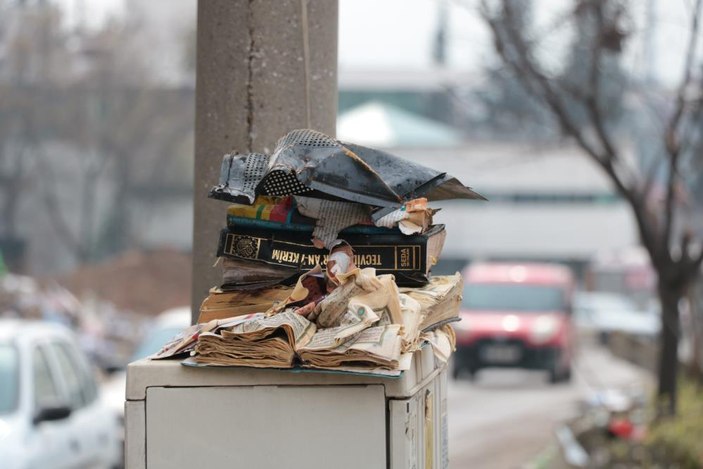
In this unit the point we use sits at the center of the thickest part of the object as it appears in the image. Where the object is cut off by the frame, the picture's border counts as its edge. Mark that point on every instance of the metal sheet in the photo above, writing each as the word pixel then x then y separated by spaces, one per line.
pixel 311 163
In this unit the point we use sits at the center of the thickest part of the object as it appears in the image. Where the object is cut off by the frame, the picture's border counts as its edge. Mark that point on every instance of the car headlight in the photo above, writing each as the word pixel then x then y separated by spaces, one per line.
pixel 510 323
pixel 543 329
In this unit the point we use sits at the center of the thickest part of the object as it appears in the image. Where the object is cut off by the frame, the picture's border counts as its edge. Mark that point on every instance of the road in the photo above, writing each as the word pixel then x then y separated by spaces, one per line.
pixel 506 418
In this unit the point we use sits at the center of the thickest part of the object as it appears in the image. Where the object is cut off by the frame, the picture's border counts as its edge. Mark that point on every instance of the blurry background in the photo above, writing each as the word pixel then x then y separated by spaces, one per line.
pixel 97 131
pixel 96 166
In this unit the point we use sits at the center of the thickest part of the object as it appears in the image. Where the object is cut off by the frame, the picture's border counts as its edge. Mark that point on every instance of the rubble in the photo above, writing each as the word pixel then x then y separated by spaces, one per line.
pixel 319 238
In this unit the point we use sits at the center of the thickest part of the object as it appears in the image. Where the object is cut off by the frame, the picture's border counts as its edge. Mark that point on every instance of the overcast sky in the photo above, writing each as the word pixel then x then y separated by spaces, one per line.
pixel 375 34
pixel 397 34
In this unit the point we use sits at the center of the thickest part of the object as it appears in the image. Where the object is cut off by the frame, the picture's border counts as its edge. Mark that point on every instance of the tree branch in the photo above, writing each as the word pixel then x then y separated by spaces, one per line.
pixel 649 178
pixel 540 86
pixel 691 132
pixel 671 138
pixel 593 97
pixel 696 263
pixel 537 83
pixel 59 223
pixel 508 39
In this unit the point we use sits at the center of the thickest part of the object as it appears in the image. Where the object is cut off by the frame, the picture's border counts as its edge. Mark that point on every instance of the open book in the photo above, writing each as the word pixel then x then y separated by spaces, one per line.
pixel 277 341
pixel 374 347
pixel 258 341
pixel 221 304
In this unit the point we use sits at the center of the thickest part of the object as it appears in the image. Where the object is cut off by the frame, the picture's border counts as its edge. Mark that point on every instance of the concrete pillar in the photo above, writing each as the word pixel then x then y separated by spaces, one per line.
pixel 264 67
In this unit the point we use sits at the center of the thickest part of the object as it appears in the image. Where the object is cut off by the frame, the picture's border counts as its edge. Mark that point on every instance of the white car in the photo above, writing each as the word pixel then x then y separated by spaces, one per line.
pixel 51 415
pixel 165 327
pixel 604 313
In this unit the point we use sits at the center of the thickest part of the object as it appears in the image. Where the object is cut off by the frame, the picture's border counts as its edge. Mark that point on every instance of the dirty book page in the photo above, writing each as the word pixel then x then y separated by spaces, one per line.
pixel 260 341
pixel 374 347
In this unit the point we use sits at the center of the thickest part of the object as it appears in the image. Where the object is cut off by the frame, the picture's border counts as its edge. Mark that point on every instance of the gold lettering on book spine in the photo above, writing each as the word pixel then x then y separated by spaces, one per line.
pixel 405 262
pixel 368 260
pixel 408 257
pixel 285 257
pixel 310 260
pixel 382 257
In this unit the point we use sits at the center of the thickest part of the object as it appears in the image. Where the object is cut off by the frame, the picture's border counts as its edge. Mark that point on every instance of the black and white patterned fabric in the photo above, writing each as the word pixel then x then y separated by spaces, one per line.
pixel 279 183
pixel 308 138
pixel 254 170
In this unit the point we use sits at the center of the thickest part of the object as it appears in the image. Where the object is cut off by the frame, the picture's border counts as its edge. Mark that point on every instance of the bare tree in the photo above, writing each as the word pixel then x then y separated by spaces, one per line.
pixel 30 51
pixel 581 109
pixel 84 130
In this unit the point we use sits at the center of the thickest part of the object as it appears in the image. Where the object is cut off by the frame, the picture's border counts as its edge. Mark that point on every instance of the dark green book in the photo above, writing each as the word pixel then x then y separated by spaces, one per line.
pixel 409 258
pixel 234 222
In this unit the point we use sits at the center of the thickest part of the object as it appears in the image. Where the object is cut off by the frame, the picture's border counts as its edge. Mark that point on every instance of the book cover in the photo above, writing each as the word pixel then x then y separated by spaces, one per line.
pixel 409 258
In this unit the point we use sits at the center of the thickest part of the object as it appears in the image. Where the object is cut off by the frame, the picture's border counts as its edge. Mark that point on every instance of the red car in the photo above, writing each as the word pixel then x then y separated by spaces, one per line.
pixel 516 315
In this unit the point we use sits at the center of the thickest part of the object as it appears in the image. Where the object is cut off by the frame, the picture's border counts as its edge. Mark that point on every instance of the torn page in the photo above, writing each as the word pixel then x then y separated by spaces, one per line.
pixel 442 340
pixel 331 217
pixel 412 218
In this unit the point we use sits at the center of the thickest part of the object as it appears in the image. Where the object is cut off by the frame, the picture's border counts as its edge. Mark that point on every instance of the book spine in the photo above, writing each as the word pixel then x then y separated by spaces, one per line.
pixel 393 253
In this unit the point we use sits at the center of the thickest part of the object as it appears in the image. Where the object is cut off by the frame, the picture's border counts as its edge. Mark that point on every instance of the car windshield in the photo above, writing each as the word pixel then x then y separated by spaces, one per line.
pixel 9 378
pixel 155 339
pixel 513 297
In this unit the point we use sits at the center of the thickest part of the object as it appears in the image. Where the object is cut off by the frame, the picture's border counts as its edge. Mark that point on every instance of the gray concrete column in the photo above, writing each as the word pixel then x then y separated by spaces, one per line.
pixel 264 67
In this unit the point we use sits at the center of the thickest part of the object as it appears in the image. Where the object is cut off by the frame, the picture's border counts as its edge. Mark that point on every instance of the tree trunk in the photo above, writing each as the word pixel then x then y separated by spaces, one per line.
pixel 9 210
pixel 85 254
pixel 12 190
pixel 695 366
pixel 669 341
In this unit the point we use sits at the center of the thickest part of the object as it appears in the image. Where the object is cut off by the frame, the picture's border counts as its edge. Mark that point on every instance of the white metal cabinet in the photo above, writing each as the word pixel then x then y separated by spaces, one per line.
pixel 186 417
pixel 418 428
pixel 261 426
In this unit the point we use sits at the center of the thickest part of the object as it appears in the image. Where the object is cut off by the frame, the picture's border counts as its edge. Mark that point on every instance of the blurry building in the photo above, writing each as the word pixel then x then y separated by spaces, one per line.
pixel 546 201
pixel 437 94
pixel 385 125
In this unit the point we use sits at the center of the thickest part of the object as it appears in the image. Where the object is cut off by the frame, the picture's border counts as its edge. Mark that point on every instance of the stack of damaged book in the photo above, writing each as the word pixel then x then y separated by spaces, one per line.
pixel 326 259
